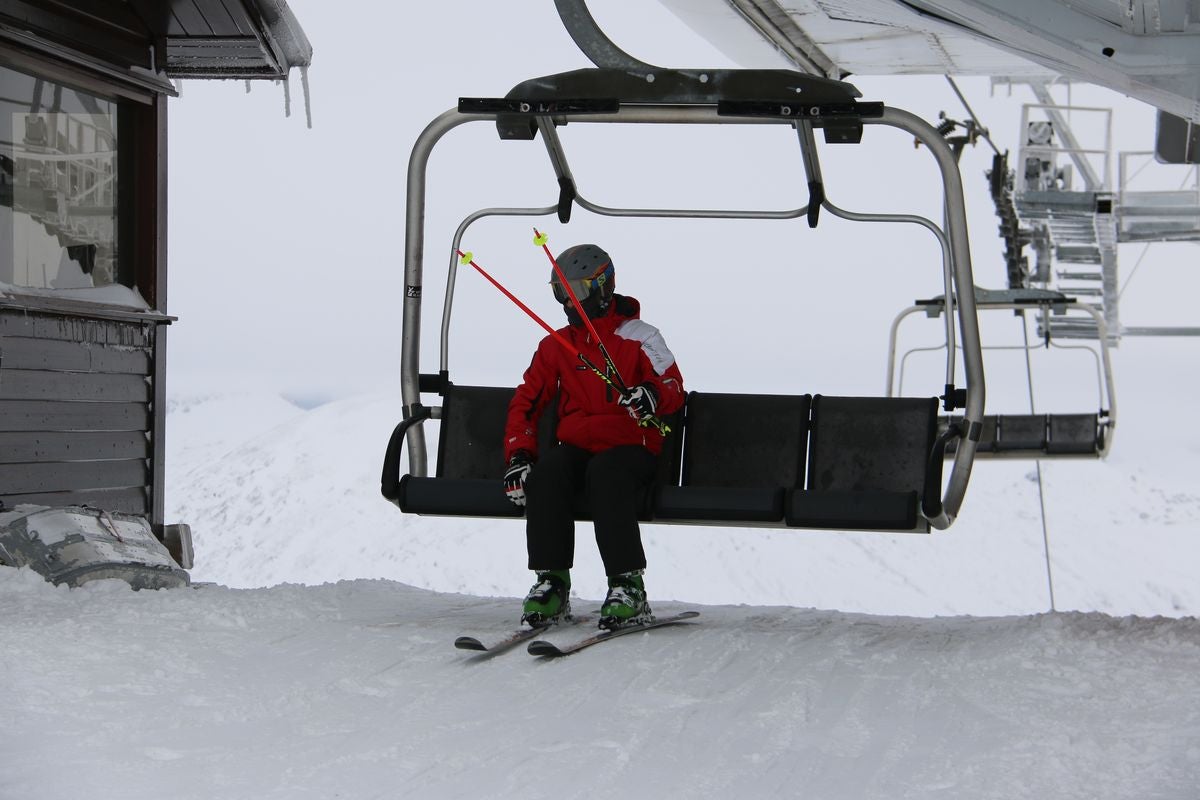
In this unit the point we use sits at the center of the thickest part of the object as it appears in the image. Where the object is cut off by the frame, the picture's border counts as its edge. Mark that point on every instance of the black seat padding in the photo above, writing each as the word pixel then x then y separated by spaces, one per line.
pixel 1021 432
pixel 471 444
pixel 470 459
pixel 458 497
pixel 866 465
pixel 737 458
pixel 1037 434
pixel 1074 433
pixel 740 452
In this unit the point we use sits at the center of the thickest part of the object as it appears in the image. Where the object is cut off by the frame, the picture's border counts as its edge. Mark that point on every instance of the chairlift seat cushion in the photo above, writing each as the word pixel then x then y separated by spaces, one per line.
pixel 459 497
pixel 854 509
pixel 1021 432
pixel 719 503
pixel 1074 434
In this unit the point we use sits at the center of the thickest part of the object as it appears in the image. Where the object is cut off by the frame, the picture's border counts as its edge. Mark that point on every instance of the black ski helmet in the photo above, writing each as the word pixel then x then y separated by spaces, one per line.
pixel 589 271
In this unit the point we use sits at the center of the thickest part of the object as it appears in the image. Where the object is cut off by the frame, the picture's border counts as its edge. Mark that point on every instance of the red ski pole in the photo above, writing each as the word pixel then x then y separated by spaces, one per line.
pixel 541 239
pixel 622 388
pixel 468 258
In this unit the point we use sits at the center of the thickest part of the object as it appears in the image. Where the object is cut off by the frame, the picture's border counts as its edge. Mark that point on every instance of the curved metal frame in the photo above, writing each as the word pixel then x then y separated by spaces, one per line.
pixel 954 242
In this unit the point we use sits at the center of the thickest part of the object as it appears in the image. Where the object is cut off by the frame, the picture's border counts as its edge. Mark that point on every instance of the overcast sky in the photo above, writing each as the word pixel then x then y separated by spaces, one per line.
pixel 286 244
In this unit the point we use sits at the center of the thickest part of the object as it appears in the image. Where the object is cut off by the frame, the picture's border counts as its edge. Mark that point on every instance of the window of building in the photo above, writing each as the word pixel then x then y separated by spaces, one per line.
pixel 59 183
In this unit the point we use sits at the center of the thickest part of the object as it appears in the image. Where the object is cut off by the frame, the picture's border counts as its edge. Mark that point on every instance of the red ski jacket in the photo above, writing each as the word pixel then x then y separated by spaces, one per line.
pixel 588 414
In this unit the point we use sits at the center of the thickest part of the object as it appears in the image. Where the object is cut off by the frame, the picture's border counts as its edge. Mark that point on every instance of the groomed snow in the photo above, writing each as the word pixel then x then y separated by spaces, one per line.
pixel 353 690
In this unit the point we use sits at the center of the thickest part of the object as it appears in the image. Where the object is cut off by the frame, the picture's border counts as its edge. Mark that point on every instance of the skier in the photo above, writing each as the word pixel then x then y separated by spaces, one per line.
pixel 605 447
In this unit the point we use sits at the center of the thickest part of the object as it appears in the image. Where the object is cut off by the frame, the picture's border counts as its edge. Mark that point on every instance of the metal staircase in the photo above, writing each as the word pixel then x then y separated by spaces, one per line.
pixel 1074 218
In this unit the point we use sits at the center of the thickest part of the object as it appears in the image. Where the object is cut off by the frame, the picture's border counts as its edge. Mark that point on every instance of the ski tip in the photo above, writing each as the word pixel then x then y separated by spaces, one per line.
pixel 468 643
pixel 687 614
pixel 540 647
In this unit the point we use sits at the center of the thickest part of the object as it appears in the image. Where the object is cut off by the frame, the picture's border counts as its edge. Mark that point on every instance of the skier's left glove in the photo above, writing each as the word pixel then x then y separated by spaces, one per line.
pixel 515 476
pixel 641 401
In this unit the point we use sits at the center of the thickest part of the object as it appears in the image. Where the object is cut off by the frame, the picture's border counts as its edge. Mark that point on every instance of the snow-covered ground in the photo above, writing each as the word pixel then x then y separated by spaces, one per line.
pixel 314 659
pixel 351 690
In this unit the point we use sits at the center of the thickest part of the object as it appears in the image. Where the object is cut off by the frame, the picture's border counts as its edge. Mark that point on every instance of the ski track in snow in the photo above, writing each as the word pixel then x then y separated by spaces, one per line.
pixel 354 690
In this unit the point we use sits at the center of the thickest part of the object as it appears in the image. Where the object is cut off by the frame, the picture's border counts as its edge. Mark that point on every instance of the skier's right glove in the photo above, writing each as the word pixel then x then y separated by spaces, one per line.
pixel 514 478
pixel 641 402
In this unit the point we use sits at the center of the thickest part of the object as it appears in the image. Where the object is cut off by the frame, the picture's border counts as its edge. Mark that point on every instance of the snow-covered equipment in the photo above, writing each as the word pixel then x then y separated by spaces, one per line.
pixel 76 544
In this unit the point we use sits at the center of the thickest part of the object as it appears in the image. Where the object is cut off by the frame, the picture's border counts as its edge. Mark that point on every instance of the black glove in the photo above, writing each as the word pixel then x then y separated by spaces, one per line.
pixel 515 476
pixel 640 402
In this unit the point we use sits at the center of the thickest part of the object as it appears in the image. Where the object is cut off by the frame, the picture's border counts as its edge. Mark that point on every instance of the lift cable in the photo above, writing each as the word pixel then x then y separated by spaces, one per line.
pixel 1038 467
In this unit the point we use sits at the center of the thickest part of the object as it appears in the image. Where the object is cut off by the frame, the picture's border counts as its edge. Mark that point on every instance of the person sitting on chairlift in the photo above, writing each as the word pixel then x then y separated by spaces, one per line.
pixel 606 449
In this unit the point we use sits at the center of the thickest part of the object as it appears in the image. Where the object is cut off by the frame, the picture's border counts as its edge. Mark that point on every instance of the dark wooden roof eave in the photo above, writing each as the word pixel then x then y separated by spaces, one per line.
pixel 155 40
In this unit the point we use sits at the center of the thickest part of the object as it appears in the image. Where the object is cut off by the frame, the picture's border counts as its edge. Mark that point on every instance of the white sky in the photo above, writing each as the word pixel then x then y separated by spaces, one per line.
pixel 286 244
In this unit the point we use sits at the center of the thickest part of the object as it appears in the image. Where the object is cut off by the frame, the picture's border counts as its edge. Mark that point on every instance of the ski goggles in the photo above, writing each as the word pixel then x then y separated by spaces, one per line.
pixel 582 287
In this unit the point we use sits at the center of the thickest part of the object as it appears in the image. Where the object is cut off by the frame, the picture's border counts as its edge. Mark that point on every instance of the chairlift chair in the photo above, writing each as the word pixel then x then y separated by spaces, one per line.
pixel 829 462
pixel 1087 434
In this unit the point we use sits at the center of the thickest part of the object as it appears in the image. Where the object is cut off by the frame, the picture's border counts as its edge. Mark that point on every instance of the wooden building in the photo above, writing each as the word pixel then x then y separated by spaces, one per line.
pixel 83 238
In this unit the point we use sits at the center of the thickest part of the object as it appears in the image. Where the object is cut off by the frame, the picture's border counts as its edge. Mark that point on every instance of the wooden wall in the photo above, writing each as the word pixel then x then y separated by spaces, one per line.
pixel 76 410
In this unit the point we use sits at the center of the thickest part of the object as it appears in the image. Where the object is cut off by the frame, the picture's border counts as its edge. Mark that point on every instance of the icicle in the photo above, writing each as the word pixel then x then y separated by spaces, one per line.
pixel 307 98
pixel 247 86
pixel 287 95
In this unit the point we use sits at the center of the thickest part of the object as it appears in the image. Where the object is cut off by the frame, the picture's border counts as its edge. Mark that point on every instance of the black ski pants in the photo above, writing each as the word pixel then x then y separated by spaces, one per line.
pixel 614 483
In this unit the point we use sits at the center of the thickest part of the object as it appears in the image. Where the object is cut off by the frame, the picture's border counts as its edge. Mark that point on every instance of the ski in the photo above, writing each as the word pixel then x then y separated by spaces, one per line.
pixel 540 647
pixel 513 639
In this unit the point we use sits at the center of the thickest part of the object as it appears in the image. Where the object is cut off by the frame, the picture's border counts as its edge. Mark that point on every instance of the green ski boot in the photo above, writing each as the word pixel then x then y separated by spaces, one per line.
pixel 549 601
pixel 626 602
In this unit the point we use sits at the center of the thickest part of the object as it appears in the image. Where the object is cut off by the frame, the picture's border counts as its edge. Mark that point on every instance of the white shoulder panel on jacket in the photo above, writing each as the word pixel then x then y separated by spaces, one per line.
pixel 653 344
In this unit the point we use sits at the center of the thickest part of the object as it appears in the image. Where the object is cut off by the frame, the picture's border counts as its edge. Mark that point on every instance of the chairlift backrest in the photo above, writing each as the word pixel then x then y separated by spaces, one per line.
pixel 869 464
pixel 471 438
pixel 746 440
pixel 871 443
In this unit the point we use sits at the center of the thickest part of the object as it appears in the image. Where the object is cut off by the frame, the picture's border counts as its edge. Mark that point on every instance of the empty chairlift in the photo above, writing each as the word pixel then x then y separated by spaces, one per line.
pixel 1087 434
